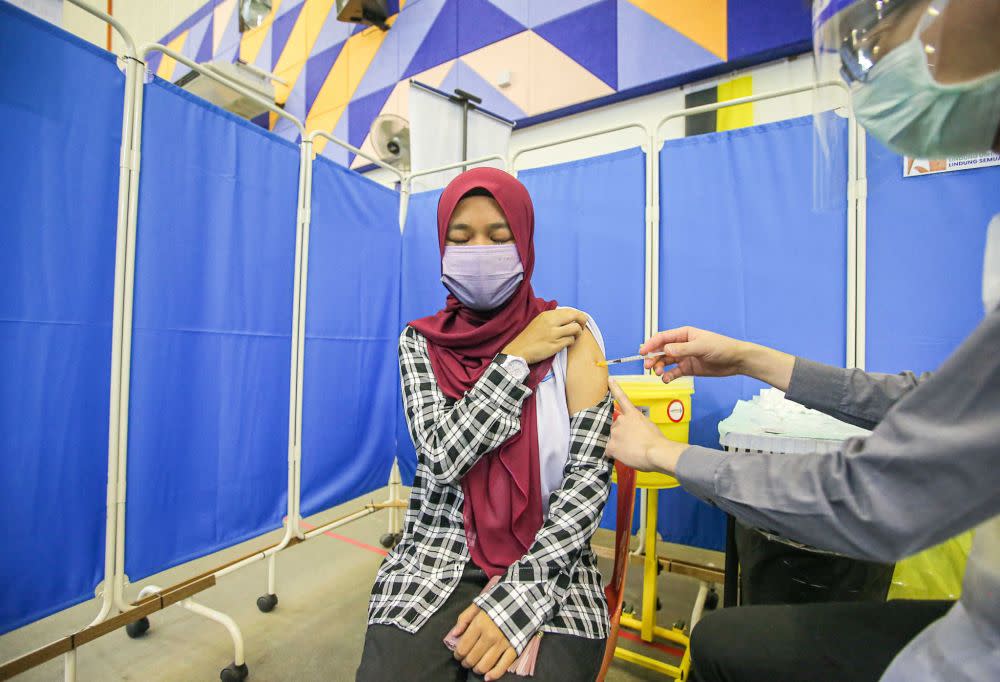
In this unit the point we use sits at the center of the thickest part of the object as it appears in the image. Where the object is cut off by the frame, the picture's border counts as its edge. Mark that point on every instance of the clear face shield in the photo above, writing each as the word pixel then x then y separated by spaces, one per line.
pixel 924 79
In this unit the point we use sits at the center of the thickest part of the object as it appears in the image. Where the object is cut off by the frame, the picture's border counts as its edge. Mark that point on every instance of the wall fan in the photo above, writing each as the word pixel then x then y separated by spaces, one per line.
pixel 390 136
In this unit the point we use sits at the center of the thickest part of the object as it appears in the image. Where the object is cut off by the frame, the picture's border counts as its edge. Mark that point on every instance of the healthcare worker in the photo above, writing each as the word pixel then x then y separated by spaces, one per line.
pixel 925 78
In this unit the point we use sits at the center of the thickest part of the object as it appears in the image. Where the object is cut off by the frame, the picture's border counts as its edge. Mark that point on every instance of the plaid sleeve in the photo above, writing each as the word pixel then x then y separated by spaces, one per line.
pixel 530 592
pixel 450 437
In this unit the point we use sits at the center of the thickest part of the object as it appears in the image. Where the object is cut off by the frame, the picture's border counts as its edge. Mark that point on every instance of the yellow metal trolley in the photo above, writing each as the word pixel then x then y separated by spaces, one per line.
pixel 669 407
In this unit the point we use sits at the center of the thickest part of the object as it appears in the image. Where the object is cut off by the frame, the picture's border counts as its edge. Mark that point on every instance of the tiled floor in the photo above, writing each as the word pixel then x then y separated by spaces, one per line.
pixel 315 633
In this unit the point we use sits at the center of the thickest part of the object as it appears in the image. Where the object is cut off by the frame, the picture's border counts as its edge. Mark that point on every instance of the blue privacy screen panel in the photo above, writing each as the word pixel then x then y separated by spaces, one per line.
pixel 57 263
pixel 926 236
pixel 350 390
pixel 590 245
pixel 744 253
pixel 590 237
pixel 421 294
pixel 211 349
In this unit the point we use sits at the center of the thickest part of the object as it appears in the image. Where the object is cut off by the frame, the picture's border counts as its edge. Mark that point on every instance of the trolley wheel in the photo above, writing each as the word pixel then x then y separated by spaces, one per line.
pixel 267 602
pixel 234 673
pixel 711 600
pixel 388 540
pixel 659 606
pixel 138 628
pixel 679 625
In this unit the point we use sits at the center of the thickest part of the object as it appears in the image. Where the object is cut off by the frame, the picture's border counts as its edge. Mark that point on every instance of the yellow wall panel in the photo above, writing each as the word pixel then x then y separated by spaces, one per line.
pixel 362 48
pixel 741 115
pixel 333 92
pixel 325 121
pixel 168 64
pixel 347 72
pixel 300 44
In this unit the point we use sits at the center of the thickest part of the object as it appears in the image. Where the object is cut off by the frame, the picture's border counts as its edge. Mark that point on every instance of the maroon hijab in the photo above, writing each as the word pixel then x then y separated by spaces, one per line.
pixel 503 505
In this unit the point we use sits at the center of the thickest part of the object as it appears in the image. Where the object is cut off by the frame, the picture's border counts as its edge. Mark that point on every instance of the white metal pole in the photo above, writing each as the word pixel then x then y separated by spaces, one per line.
pixel 239 657
pixel 360 514
pixel 749 99
pixel 457 164
pixel 133 73
pixel 351 148
pixel 306 202
pixel 118 583
pixel 575 138
pixel 291 508
pixel 272 574
pixel 394 476
pixel 294 453
pixel 652 256
pixel 110 512
pixel 851 359
pixel 404 202
pixel 69 666
pixel 395 496
pixel 861 290
pixel 699 605
pixel 211 614
pixel 650 253
pixel 130 48
pixel 653 235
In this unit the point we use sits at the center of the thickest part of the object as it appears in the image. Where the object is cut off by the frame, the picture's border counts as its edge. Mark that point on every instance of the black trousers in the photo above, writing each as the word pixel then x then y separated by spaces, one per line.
pixel 392 655
pixel 815 642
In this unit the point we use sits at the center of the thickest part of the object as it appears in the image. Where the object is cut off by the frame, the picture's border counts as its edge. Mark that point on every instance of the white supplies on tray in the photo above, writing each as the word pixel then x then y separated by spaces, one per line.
pixel 770 423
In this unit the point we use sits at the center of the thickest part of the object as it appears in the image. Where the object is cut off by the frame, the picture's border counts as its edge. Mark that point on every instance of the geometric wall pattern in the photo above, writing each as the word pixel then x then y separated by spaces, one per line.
pixel 559 54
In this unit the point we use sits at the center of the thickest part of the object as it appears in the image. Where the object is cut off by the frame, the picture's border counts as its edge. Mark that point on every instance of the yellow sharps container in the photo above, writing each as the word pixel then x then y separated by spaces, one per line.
pixel 669 407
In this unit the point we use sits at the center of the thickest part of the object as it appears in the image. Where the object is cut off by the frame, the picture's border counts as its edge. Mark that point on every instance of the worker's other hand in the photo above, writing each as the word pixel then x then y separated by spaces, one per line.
pixel 635 440
pixel 482 646
pixel 548 334
pixel 693 352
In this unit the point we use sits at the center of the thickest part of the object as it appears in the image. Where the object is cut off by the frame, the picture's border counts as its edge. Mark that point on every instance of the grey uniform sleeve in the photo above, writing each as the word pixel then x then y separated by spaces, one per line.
pixel 929 470
pixel 851 395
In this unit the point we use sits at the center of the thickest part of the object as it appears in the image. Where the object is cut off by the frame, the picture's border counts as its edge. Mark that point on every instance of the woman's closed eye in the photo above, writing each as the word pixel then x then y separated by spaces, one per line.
pixel 501 235
pixel 459 235
pixel 496 233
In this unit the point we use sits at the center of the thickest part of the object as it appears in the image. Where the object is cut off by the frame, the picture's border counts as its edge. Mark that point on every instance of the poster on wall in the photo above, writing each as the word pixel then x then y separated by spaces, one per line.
pixel 913 167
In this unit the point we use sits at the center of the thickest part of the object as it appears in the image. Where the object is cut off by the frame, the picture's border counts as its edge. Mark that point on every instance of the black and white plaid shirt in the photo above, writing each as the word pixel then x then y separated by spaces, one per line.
pixel 556 586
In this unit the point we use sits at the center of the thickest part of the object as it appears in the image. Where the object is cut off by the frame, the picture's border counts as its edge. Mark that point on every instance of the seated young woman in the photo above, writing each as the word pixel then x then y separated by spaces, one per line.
pixel 509 413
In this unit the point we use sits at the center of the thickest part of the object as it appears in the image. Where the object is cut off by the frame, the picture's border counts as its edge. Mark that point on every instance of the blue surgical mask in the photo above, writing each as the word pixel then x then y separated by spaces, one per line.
pixel 482 277
pixel 903 106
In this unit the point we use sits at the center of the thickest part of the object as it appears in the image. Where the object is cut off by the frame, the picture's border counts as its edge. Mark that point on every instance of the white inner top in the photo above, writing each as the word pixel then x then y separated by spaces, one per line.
pixel 553 422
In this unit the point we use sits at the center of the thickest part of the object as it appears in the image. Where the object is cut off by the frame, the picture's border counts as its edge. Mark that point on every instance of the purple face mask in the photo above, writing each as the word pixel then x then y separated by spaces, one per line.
pixel 482 277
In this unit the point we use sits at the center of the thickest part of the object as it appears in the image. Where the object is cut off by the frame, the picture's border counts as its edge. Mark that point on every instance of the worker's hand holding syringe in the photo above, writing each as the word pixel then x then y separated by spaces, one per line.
pixel 689 351
pixel 686 351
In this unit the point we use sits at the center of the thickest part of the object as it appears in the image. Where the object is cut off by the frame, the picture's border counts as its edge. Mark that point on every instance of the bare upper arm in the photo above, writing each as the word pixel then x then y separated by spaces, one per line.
pixel 586 382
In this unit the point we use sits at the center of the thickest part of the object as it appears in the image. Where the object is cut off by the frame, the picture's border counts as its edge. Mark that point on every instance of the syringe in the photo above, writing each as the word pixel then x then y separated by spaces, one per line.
pixel 631 358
